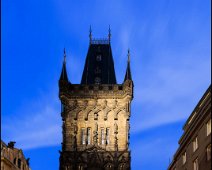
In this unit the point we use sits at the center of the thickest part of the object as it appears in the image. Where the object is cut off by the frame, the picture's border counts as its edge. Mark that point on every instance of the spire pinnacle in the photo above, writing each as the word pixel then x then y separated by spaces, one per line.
pixel 128 55
pixel 90 34
pixel 64 56
pixel 109 33
pixel 128 71
pixel 63 76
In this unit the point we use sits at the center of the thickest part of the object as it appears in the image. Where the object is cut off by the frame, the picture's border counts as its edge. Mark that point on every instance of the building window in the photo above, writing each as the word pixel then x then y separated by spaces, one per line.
pixel 208 127
pixel 68 167
pixel 108 166
pixel 14 161
pixel 97 80
pixel 19 163
pixel 121 167
pixel 102 137
pixel 184 158
pixel 80 167
pixel 97 70
pixel 208 151
pixel 107 136
pixel 196 164
pixel 89 136
pixel 195 144
pixel 98 58
pixel 83 136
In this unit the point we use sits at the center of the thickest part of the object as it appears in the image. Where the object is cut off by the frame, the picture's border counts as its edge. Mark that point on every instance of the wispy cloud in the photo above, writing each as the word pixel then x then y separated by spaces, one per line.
pixel 35 124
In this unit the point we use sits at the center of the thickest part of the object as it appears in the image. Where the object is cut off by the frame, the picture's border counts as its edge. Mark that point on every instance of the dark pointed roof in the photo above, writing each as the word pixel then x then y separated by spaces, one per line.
pixel 128 71
pixel 99 65
pixel 63 76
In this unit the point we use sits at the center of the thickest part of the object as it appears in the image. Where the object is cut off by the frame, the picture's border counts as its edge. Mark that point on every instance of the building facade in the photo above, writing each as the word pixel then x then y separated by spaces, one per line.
pixel 194 152
pixel 96 113
pixel 13 158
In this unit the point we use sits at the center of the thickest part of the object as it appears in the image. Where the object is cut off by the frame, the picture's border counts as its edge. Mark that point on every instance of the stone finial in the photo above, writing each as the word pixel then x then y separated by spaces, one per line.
pixel 11 144
pixel 109 34
pixel 90 34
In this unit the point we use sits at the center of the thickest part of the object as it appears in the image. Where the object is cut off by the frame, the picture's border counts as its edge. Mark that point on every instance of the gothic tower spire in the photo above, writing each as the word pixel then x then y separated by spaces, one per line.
pixel 109 34
pixel 63 76
pixel 90 34
pixel 128 71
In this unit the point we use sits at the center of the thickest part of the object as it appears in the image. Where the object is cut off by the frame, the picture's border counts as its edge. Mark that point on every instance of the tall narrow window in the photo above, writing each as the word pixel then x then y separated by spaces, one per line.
pixel 14 161
pixel 107 136
pixel 208 151
pixel 196 164
pixel 184 158
pixel 80 167
pixel 102 137
pixel 195 144
pixel 19 163
pixel 83 136
pixel 98 58
pixel 121 167
pixel 108 166
pixel 208 127
pixel 89 136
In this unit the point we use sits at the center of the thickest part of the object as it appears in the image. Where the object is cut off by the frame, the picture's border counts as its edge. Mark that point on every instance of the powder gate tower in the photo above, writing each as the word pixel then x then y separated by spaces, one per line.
pixel 96 113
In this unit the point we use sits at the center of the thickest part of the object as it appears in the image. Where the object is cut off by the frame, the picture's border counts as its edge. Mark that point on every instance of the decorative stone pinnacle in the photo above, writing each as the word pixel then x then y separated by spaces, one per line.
pixel 64 55
pixel 109 33
pixel 90 34
pixel 128 55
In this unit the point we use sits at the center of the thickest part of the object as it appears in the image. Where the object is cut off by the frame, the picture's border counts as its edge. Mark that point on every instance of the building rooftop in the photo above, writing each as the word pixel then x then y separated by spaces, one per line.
pixel 99 64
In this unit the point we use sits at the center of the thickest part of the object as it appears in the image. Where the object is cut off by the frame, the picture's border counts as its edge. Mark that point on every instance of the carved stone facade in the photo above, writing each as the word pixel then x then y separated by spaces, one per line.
pixel 13 158
pixel 95 122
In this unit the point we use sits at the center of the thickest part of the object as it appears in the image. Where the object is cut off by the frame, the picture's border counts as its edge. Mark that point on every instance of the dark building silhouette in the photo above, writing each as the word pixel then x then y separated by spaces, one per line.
pixel 96 113
pixel 194 152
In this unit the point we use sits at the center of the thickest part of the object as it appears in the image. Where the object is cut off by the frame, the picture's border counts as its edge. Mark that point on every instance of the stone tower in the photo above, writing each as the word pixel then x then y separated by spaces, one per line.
pixel 96 113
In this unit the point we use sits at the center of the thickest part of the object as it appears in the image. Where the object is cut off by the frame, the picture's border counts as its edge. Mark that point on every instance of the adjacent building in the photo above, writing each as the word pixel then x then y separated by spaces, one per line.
pixel 96 113
pixel 194 152
pixel 13 158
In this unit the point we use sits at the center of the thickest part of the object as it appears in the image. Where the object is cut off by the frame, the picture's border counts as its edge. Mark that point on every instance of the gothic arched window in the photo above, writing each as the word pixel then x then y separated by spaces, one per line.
pixel 102 136
pixel 98 58
pixel 97 80
pixel 89 136
pixel 80 167
pixel 107 136
pixel 97 70
pixel 122 166
pixel 108 166
pixel 83 136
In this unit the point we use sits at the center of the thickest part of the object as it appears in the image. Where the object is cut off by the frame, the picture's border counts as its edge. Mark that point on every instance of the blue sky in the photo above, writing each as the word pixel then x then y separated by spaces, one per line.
pixel 170 49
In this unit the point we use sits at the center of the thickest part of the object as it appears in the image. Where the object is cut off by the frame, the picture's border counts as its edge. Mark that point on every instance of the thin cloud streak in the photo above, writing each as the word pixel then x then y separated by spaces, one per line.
pixel 35 125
